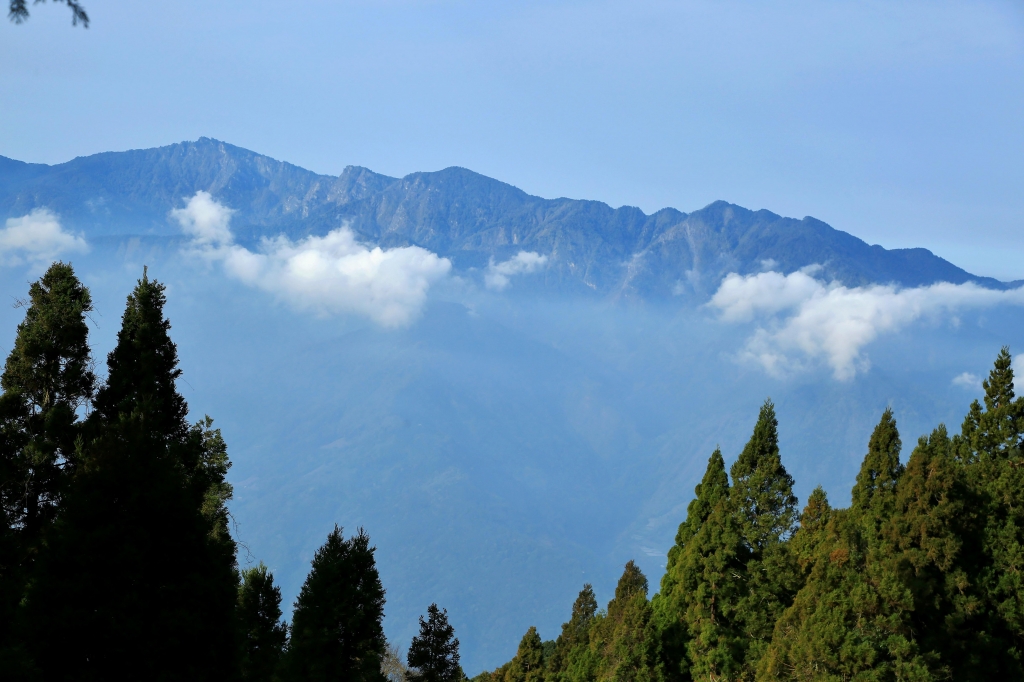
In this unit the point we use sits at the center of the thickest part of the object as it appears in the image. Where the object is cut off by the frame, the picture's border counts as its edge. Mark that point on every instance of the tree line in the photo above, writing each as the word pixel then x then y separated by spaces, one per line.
pixel 116 557
pixel 117 561
pixel 920 579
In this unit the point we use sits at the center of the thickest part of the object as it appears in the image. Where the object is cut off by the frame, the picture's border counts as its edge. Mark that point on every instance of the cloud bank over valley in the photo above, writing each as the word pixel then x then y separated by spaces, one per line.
pixel 801 319
pixel 37 239
pixel 331 274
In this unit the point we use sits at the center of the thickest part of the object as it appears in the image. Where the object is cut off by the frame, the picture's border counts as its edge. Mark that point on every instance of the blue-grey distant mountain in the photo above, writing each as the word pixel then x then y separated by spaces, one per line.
pixel 461 215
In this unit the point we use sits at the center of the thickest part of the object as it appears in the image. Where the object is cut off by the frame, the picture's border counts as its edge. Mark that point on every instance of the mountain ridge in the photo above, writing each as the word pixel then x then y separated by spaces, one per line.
pixel 462 215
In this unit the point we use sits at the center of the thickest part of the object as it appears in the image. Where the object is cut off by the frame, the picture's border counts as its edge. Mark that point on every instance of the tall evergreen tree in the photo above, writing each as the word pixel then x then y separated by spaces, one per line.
pixel 696 608
pixel 528 664
pixel 47 379
pixel 337 628
pixel 625 639
pixel 263 635
pixel 136 581
pixel 143 367
pixel 434 653
pixel 763 500
pixel 990 446
pixel 575 635
pixel 687 560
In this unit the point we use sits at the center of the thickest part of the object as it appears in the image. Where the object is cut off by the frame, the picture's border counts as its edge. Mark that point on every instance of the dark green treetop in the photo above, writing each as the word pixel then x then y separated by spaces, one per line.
pixel 528 664
pixel 262 632
pixel 434 653
pixel 47 379
pixel 337 630
pixel 143 367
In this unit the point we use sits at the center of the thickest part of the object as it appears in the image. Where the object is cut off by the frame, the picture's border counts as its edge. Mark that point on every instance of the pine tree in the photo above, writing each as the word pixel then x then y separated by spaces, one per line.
pixel 989 449
pixel 263 634
pixel 763 500
pixel 625 639
pixel 46 380
pixel 434 653
pixel 336 626
pixel 137 580
pixel 575 635
pixel 143 367
pixel 685 562
pixel 849 620
pixel 528 664
pixel 696 607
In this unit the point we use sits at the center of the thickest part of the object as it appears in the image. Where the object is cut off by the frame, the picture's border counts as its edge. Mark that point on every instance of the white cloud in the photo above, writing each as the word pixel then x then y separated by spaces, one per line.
pixel 328 275
pixel 37 238
pixel 205 220
pixel 967 380
pixel 801 318
pixel 498 275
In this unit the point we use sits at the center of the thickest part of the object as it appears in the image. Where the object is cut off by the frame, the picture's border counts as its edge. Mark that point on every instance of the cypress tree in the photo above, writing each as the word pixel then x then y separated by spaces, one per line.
pixel 703 585
pixel 528 664
pixel 434 653
pixel 763 500
pixel 575 635
pixel 625 639
pixel 143 367
pixel 137 581
pixel 336 626
pixel 989 451
pixel 47 378
pixel 262 633
pixel 684 565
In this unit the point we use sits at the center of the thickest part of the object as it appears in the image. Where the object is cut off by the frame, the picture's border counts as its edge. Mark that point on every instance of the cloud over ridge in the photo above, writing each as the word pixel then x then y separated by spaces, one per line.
pixel 801 318
pixel 37 238
pixel 499 275
pixel 332 274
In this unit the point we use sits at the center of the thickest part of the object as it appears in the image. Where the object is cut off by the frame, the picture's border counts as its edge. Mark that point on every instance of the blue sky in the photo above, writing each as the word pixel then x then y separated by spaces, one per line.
pixel 900 122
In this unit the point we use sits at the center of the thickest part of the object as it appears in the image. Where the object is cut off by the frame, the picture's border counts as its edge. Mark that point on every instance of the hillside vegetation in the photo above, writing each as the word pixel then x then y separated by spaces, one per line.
pixel 117 559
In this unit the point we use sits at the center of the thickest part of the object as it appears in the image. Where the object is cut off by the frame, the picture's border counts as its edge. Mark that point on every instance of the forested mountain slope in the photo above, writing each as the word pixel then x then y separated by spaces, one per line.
pixel 460 215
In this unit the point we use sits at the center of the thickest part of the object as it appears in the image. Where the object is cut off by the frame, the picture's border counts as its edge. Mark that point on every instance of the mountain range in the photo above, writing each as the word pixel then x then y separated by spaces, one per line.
pixel 461 215
pixel 500 450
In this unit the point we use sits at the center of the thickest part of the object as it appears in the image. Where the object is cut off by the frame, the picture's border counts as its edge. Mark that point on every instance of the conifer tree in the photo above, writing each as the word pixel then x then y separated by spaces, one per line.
pixel 47 378
pixel 763 500
pixel 143 367
pixel 263 634
pixel 696 608
pixel 847 622
pixel 685 562
pixel 625 639
pixel 574 636
pixel 528 664
pixel 434 653
pixel 337 628
pixel 134 564
pixel 990 447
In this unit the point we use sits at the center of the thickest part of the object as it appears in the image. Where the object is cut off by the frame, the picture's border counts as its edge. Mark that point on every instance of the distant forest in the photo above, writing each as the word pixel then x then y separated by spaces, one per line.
pixel 117 560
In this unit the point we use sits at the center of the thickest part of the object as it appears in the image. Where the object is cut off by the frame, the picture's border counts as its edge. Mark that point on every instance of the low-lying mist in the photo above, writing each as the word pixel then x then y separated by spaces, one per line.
pixel 506 447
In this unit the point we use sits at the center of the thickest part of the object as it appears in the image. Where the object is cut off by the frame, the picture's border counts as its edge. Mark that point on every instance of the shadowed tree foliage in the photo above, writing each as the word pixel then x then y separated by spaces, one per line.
pixel 137 581
pixel 434 653
pixel 18 11
pixel 337 628
pixel 262 633
pixel 47 380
